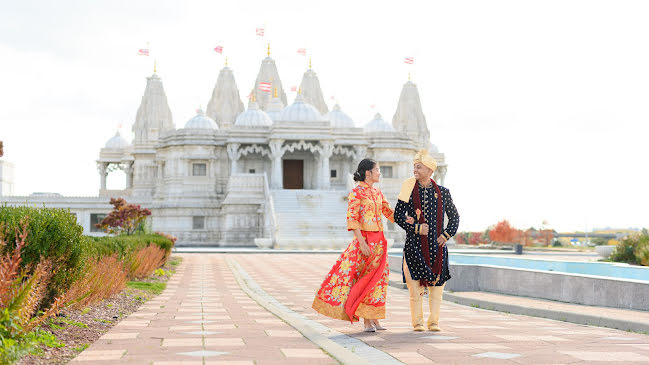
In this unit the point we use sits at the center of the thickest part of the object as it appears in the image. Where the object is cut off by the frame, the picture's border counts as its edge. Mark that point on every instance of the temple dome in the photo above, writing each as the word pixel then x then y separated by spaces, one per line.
pixel 201 121
pixel 340 119
pixel 300 111
pixel 253 117
pixel 117 142
pixel 378 125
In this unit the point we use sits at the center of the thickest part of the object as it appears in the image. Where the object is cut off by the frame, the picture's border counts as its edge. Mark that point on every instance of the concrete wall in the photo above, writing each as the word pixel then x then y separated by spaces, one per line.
pixel 569 288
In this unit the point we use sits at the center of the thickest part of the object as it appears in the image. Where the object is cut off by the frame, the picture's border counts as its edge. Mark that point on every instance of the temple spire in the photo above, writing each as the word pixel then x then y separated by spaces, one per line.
pixel 153 116
pixel 225 103
pixel 312 92
pixel 409 116
pixel 268 74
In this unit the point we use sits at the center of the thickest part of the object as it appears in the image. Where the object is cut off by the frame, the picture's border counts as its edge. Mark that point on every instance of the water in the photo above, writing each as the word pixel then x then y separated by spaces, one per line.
pixel 606 269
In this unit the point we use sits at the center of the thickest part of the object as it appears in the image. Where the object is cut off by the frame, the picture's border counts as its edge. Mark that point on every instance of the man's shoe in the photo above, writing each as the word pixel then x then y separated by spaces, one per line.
pixel 420 328
pixel 434 328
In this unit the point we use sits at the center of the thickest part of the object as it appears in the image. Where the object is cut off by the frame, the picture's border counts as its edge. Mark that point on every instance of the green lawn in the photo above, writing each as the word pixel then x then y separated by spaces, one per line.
pixel 153 288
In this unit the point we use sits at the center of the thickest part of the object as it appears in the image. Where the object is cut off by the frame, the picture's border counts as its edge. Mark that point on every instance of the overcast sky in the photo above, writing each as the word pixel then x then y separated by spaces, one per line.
pixel 541 107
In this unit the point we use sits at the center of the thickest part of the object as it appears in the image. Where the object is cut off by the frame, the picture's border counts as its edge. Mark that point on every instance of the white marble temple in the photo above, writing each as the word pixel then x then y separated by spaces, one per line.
pixel 274 175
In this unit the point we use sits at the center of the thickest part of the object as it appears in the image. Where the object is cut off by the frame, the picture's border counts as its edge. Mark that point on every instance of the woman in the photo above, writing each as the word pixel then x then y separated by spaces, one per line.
pixel 357 284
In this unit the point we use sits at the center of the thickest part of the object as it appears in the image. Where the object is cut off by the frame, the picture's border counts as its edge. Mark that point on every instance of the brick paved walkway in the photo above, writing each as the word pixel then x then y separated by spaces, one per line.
pixel 206 316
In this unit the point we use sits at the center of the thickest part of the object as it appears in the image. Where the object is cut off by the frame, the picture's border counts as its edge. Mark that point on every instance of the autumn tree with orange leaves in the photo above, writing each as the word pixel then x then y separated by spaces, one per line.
pixel 503 232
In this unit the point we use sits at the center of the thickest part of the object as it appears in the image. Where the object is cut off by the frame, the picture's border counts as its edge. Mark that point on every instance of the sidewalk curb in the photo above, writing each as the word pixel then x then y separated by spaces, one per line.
pixel 335 350
pixel 563 316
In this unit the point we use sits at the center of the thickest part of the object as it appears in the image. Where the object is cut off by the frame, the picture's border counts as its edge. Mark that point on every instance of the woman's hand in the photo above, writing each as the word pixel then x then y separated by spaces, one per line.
pixel 365 249
pixel 410 220
pixel 441 240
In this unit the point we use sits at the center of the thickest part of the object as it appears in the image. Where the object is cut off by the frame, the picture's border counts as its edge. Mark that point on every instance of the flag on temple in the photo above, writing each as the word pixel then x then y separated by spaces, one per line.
pixel 301 51
pixel 143 52
pixel 372 106
pixel 264 86
pixel 409 60
pixel 260 32
pixel 294 88
pixel 218 49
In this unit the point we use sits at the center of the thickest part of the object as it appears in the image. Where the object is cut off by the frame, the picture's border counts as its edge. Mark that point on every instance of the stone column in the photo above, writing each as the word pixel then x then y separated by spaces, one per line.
pixel 127 167
pixel 403 170
pixel 324 182
pixel 360 152
pixel 233 153
pixel 439 175
pixel 276 153
pixel 101 167
pixel 344 169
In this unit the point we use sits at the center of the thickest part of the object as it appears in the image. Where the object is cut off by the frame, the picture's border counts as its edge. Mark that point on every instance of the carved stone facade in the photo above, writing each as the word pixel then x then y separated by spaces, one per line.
pixel 274 175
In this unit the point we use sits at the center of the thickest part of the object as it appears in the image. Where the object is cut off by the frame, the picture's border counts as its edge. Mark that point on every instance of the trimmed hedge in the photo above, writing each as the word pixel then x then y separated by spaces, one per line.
pixel 54 233
pixel 123 245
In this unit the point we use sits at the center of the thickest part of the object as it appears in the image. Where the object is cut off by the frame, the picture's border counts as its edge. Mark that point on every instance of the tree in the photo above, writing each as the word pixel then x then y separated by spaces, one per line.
pixel 503 232
pixel 476 238
pixel 547 235
pixel 460 238
pixel 125 218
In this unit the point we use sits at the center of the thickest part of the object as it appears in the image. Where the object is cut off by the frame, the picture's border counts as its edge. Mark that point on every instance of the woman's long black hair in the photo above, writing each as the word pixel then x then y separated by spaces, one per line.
pixel 366 165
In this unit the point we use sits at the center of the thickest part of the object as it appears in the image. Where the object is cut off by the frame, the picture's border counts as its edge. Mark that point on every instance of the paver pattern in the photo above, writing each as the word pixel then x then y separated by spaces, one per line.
pixel 204 317
pixel 470 335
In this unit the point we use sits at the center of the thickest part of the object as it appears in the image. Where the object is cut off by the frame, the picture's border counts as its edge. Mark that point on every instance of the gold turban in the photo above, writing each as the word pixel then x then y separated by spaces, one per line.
pixel 406 188
pixel 423 157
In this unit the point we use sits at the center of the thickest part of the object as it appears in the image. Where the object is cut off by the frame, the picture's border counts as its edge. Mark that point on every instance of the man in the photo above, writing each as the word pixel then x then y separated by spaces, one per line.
pixel 425 254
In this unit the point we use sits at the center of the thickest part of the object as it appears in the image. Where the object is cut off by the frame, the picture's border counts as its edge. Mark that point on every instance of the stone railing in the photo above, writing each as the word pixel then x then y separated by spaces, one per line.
pixel 269 230
pixel 246 183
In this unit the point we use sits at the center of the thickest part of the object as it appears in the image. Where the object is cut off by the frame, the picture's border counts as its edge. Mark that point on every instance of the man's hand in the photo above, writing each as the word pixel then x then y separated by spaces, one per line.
pixel 423 229
pixel 441 240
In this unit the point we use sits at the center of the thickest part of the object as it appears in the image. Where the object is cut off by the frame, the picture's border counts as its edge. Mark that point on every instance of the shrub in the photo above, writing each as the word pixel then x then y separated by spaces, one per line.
pixel 20 297
pixel 53 234
pixel 102 278
pixel 144 262
pixel 632 250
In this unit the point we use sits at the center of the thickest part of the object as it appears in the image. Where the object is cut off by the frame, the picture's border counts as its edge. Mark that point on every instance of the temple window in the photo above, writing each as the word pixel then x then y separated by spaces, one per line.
pixel 199 169
pixel 198 222
pixel 96 218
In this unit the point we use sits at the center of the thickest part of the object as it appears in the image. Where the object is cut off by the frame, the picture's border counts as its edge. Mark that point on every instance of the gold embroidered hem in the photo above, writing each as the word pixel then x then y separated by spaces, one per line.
pixel 324 308
pixel 370 312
